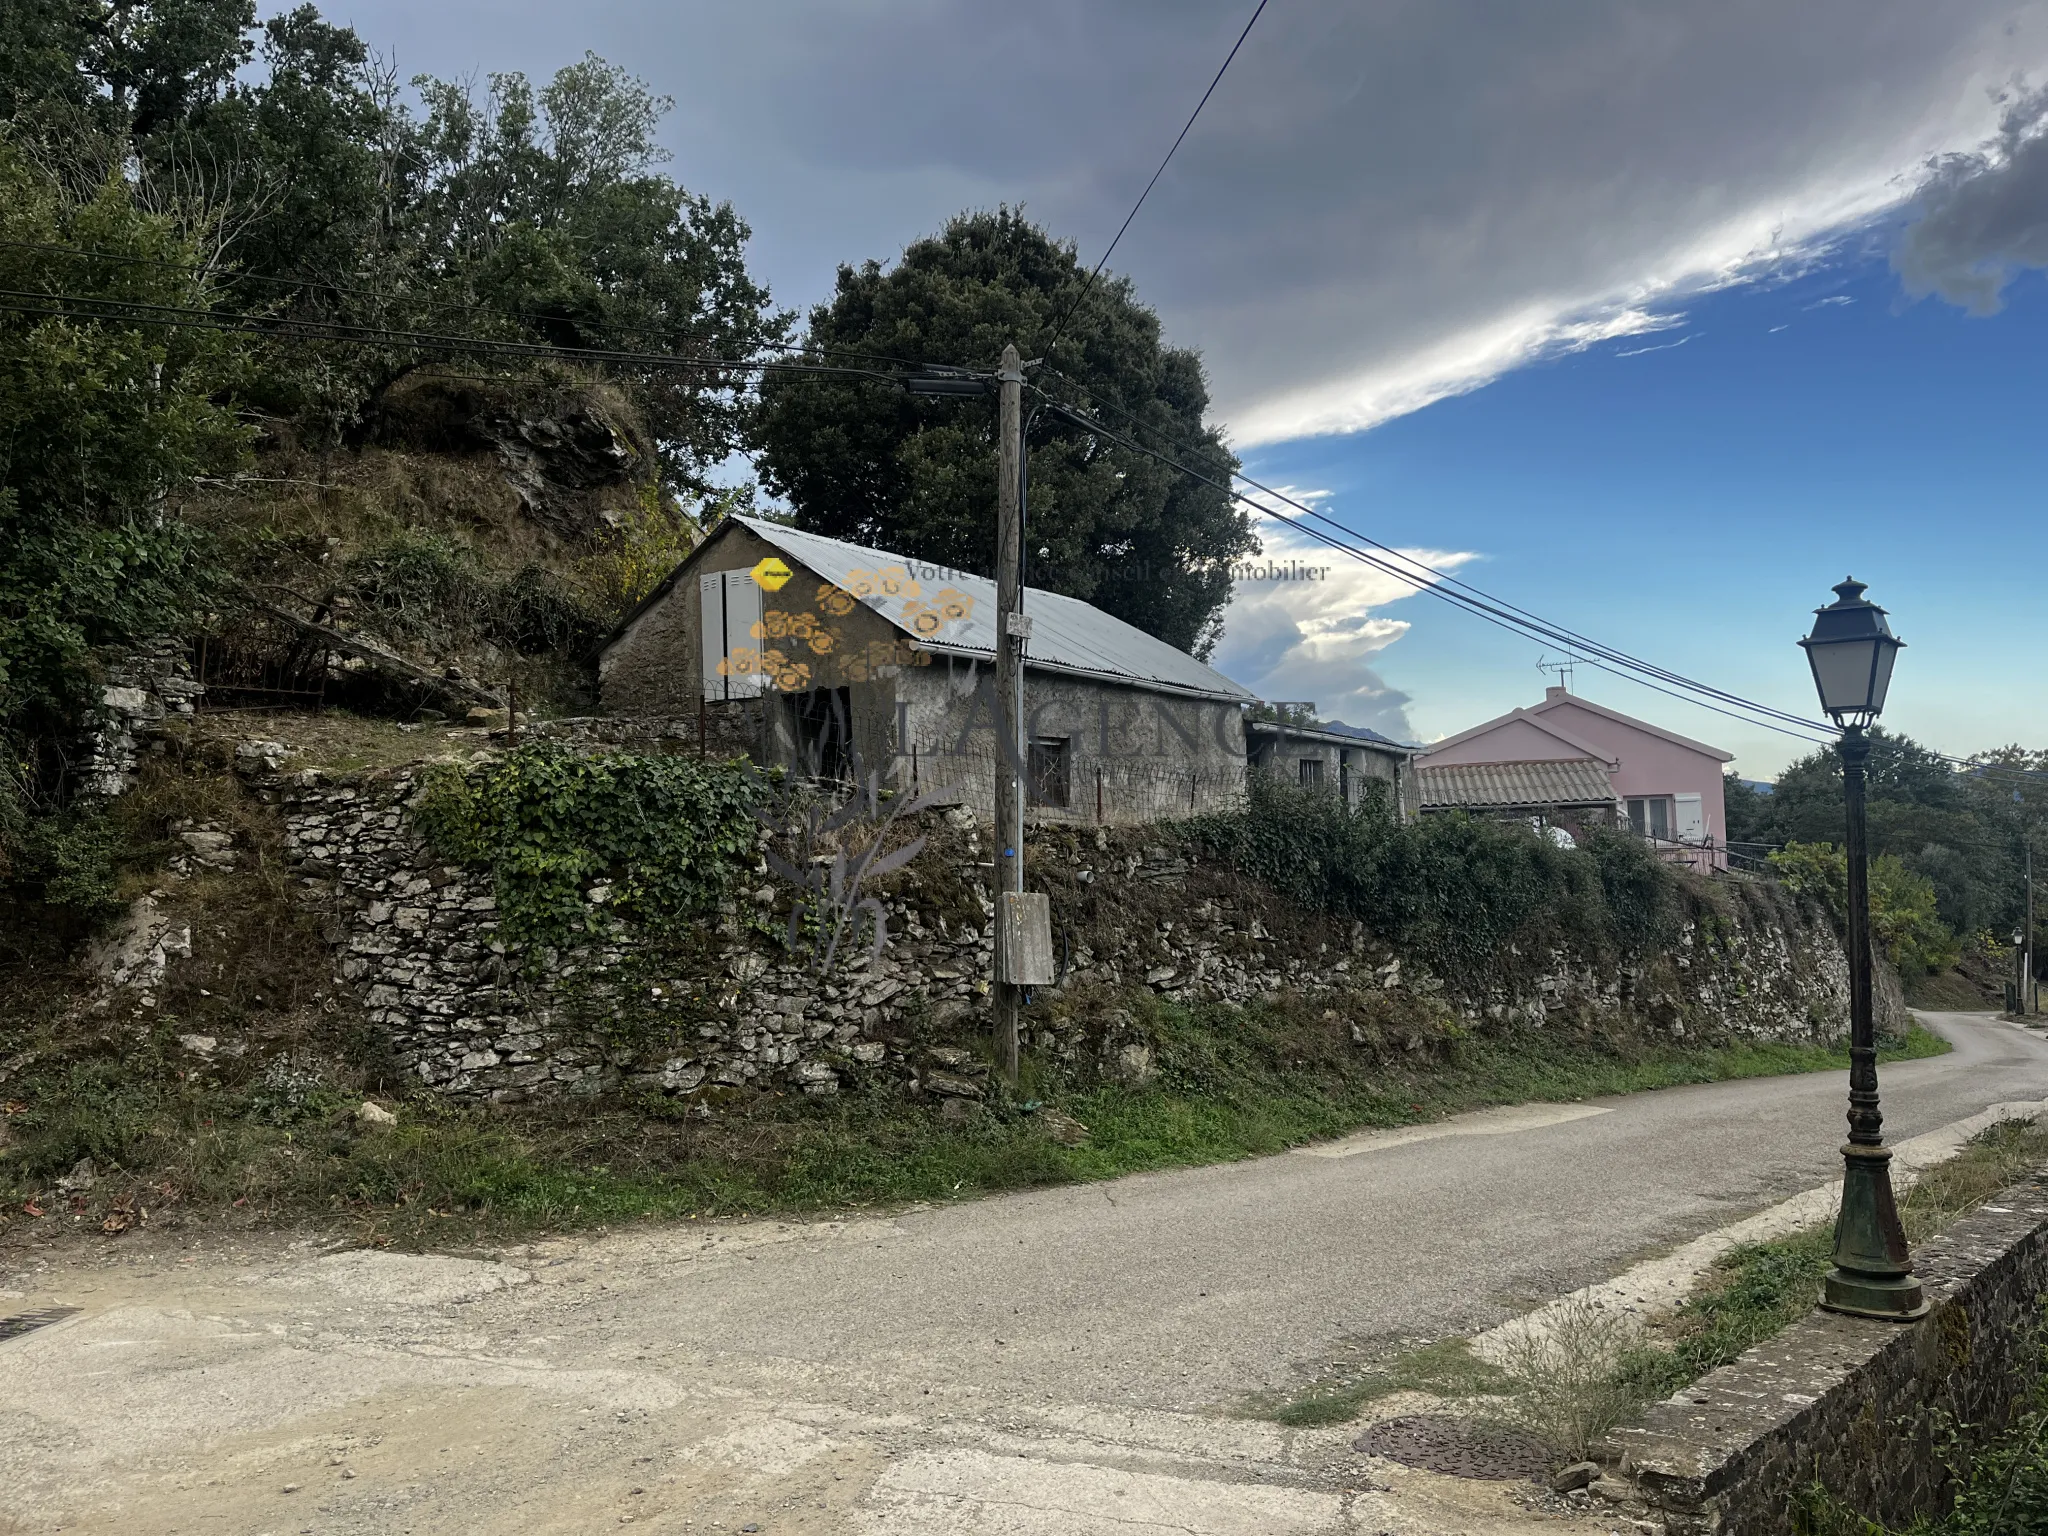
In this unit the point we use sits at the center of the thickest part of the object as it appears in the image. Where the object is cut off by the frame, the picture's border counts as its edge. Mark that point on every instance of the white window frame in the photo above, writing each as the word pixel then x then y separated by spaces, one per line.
pixel 730 605
pixel 1654 808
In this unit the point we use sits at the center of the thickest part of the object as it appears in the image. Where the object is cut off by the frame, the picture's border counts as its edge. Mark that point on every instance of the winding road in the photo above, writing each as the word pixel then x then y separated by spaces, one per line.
pixel 1072 1360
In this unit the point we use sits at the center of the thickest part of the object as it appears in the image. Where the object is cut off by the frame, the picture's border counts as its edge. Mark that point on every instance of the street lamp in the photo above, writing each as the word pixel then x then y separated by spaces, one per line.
pixel 1851 651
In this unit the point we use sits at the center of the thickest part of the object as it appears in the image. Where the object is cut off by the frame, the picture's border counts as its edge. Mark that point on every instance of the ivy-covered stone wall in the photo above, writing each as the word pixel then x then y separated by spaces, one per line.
pixel 477 1013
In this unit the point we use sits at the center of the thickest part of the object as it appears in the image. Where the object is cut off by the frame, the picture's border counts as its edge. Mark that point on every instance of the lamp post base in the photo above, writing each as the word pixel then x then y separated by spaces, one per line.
pixel 1873 1274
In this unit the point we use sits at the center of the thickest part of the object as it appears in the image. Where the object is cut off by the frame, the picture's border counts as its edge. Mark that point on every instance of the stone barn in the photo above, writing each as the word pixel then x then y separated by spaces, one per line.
pixel 831 659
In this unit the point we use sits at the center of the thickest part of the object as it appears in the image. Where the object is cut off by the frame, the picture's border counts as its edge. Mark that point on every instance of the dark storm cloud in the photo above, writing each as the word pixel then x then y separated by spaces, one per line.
pixel 1383 203
pixel 1983 215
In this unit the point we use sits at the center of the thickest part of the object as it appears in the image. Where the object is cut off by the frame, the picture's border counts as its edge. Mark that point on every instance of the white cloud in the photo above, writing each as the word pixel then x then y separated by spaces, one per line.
pixel 1454 366
pixel 1382 205
pixel 1314 636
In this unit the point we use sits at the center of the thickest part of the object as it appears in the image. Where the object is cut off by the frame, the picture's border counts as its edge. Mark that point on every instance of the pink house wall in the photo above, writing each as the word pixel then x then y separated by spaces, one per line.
pixel 1650 764
pixel 1512 741
pixel 1645 763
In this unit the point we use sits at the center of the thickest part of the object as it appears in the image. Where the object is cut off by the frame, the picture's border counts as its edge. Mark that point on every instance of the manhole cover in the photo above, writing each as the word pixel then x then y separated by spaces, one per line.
pixel 28 1322
pixel 1438 1442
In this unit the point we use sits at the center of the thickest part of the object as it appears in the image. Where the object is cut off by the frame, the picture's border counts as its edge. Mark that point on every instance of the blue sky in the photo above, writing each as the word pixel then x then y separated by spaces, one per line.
pixel 1540 290
pixel 1691 494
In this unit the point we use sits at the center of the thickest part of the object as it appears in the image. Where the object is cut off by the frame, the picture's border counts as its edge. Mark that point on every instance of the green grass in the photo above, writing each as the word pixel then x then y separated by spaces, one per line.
pixel 1753 1293
pixel 1759 1289
pixel 1446 1368
pixel 1232 1084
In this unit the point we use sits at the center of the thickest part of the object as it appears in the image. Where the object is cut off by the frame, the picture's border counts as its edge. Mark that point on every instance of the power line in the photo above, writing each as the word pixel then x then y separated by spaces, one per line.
pixel 127 312
pixel 1190 123
pixel 297 285
pixel 1447 589
pixel 1632 668
pixel 1433 579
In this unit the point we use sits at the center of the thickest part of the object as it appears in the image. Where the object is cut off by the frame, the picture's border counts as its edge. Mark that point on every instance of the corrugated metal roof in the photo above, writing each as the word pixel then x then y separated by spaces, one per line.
pixel 1568 781
pixel 1067 634
pixel 1350 736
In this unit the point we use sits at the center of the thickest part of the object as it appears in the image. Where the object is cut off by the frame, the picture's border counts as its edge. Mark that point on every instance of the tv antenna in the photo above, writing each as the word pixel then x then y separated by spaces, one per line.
pixel 1563 668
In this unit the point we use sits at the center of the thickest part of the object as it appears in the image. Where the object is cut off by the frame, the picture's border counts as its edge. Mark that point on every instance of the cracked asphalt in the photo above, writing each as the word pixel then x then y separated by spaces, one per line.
pixel 1073 1360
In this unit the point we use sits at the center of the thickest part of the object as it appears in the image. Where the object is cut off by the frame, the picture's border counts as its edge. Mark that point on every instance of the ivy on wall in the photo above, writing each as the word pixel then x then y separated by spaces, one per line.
pixel 587 846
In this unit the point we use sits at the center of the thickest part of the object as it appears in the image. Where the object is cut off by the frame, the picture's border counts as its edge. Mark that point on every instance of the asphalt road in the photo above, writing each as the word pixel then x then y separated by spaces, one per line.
pixel 949 1369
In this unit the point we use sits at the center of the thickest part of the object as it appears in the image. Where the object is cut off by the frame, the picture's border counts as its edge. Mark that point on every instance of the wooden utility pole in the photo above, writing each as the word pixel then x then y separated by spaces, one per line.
pixel 2029 1001
pixel 1009 692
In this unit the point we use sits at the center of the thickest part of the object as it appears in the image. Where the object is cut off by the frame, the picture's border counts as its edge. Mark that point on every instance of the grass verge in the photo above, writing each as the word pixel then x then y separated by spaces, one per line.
pixel 1753 1292
pixel 1445 1368
pixel 1756 1290
pixel 172 1141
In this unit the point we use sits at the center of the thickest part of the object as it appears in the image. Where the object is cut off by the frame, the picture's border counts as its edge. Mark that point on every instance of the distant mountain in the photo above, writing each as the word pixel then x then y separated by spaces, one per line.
pixel 1361 732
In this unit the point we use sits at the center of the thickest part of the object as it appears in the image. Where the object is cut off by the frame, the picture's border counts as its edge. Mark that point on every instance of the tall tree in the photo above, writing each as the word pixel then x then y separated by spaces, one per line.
pixel 1961 831
pixel 1121 530
pixel 101 424
pixel 287 156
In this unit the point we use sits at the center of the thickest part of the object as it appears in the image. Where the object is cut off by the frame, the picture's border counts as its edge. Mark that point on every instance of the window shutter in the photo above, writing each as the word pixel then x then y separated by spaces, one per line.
pixel 742 626
pixel 711 617
pixel 1692 818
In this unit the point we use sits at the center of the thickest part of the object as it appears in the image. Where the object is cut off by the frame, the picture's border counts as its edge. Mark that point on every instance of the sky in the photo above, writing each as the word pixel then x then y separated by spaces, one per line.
pixel 1654 318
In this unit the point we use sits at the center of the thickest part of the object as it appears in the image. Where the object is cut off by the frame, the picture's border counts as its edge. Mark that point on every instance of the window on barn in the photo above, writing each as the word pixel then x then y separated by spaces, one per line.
pixel 1050 775
pixel 824 732
pixel 729 607
pixel 1311 772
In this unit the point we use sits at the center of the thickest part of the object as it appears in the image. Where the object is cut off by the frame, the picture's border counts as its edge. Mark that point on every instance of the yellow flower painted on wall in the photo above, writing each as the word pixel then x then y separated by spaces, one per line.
pixel 889 581
pixel 948 606
pixel 836 601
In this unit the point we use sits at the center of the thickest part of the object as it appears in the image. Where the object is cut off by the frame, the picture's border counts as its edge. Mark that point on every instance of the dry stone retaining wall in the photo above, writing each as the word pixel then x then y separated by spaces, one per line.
pixel 1852 1404
pixel 418 943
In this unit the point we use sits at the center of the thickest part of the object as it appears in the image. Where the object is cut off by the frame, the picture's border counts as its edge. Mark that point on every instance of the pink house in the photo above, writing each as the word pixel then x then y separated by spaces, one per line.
pixel 1668 786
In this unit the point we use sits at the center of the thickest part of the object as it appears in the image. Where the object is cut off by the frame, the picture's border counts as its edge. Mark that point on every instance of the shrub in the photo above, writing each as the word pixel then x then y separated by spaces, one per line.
pixel 1454 889
pixel 1904 916
pixel 666 837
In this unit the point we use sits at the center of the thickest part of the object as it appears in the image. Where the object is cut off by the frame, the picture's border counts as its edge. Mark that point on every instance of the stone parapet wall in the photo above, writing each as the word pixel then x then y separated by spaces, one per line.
pixel 143 688
pixel 1853 1404
pixel 418 944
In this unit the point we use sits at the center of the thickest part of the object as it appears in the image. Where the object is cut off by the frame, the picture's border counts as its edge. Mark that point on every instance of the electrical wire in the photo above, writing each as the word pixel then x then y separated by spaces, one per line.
pixel 296 285
pixel 126 312
pixel 1432 578
pixel 1506 619
pixel 1617 663
pixel 1058 329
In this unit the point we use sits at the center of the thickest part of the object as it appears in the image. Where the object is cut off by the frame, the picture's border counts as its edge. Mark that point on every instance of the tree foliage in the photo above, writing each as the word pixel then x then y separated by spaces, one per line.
pixel 1904 919
pixel 1962 831
pixel 1455 890
pixel 917 474
pixel 293 162
pixel 101 426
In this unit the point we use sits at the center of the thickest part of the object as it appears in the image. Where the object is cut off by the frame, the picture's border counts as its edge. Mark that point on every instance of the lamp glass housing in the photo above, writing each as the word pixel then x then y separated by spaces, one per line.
pixel 1851 651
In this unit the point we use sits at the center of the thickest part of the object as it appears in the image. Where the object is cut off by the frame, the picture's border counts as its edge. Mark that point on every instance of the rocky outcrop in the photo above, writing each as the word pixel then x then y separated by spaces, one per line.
pixel 561 448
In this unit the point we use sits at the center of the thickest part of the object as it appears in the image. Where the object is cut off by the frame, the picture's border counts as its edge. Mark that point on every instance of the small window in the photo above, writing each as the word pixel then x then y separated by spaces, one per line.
pixel 1050 781
pixel 824 733
pixel 1650 815
pixel 1311 772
